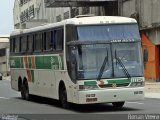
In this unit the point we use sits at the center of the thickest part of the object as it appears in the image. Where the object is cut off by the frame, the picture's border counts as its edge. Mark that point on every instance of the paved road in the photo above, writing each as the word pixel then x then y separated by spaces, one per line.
pixel 11 102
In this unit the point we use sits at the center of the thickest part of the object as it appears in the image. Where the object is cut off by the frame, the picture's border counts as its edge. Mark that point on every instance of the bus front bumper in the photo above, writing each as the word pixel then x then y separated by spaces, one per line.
pixel 110 95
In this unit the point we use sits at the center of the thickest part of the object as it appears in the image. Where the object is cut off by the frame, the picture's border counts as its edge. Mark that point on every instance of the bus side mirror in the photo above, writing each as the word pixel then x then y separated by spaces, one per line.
pixel 145 56
pixel 73 67
pixel 73 58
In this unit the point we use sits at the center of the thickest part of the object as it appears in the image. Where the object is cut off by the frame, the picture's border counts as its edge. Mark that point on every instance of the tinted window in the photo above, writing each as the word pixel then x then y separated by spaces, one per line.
pixel 108 32
pixel 12 44
pixel 2 52
pixel 17 45
pixel 58 39
pixel 38 42
pixel 30 43
pixel 48 40
pixel 24 43
pixel 71 33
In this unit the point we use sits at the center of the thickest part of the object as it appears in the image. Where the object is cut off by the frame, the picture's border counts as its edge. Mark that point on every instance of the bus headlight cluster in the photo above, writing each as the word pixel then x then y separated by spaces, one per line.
pixel 137 84
pixel 87 87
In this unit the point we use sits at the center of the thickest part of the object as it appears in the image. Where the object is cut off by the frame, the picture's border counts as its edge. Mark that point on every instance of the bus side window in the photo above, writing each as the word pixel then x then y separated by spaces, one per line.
pixel 24 43
pixel 17 45
pixel 48 41
pixel 11 44
pixel 30 43
pixel 51 42
pixel 38 42
pixel 58 39
pixel 44 41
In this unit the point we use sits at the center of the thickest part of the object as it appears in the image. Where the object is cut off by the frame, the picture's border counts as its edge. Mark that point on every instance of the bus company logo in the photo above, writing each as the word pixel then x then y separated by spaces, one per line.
pixel 101 82
pixel 114 85
pixel 12 62
pixel 54 64
pixel 137 79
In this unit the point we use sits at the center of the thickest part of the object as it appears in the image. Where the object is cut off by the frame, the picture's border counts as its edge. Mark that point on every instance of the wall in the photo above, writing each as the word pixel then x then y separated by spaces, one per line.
pixel 4 56
pixel 54 14
pixel 148 16
pixel 146 12
pixel 16 17
pixel 152 67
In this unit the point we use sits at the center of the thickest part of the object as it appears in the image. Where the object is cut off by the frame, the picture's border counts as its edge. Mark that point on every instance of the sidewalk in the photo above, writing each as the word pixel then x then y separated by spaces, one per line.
pixel 152 90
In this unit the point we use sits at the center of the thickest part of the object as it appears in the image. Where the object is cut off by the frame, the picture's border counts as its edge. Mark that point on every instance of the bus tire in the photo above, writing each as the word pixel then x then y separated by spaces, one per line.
pixel 63 98
pixel 118 104
pixel 25 91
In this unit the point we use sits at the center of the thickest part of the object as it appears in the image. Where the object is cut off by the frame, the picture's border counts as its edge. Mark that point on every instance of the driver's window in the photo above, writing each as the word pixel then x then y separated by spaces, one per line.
pixel 72 63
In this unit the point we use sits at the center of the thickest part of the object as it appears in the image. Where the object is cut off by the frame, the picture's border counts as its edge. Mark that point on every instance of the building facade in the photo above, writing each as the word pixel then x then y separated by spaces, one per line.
pixel 146 13
pixel 31 13
pixel 4 54
pixel 28 13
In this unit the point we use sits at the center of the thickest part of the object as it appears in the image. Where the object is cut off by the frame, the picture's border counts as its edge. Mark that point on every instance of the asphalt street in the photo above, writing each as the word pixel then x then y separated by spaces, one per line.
pixel 39 108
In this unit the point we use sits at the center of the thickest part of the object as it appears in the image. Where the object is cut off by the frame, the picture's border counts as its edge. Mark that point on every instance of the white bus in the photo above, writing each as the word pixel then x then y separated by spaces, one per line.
pixel 83 60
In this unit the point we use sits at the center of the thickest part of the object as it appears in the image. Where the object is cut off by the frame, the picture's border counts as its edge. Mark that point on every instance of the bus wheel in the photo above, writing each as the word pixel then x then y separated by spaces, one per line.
pixel 25 91
pixel 63 98
pixel 118 104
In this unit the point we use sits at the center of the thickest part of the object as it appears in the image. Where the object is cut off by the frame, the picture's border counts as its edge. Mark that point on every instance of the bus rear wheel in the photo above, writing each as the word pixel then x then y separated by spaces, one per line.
pixel 25 91
pixel 118 104
pixel 63 98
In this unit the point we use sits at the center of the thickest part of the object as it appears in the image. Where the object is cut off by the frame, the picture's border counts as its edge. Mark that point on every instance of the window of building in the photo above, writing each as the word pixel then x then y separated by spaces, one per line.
pixel 2 52
pixel 59 18
pixel 74 12
pixel 66 15
pixel 31 11
pixel 85 10
pixel 21 2
pixel 27 14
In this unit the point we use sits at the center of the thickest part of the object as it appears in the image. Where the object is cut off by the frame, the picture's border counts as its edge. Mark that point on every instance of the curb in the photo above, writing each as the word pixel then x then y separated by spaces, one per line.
pixel 152 95
pixel 152 87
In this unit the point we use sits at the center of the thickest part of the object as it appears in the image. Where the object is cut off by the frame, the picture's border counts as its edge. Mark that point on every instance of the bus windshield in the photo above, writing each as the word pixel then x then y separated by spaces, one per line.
pixel 130 56
pixel 108 32
pixel 90 60
pixel 91 57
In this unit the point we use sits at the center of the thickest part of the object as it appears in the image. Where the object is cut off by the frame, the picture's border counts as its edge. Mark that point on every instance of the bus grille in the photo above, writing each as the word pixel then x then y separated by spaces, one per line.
pixel 113 86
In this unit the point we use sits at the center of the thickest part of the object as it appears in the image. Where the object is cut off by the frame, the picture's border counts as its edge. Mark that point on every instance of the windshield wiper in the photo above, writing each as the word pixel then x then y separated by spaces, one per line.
pixel 103 67
pixel 122 65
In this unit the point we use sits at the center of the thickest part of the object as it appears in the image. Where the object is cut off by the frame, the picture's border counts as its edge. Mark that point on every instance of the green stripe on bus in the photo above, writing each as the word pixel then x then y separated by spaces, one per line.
pixel 55 63
pixel 15 62
pixel 90 83
pixel 41 62
pixel 21 62
pixel 119 81
pixel 47 62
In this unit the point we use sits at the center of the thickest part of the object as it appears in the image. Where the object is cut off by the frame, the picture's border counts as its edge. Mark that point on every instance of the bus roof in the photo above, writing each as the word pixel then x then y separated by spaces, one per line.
pixel 79 21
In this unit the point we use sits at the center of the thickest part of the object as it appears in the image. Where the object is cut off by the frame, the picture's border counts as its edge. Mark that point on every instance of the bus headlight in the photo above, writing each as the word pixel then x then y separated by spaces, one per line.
pixel 137 84
pixel 87 87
